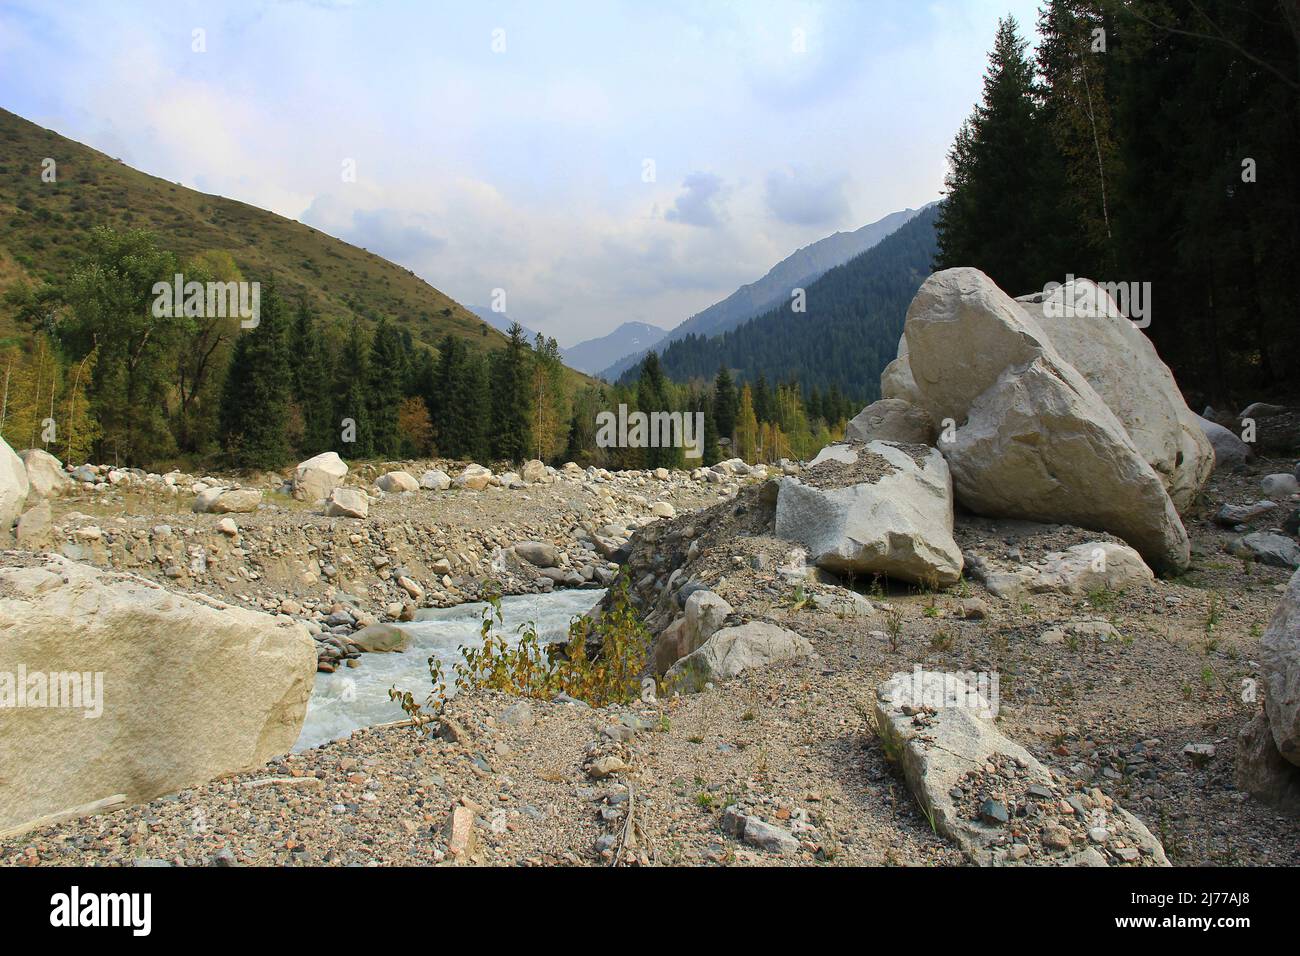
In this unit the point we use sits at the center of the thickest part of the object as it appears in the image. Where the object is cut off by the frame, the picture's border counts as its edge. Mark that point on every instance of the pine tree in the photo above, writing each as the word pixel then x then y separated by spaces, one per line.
pixel 511 398
pixel 257 394
pixel 312 372
pixel 386 380
pixel 991 219
pixel 351 417
pixel 724 404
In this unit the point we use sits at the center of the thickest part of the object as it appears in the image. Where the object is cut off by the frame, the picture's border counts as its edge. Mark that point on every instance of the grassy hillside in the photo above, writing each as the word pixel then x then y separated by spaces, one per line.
pixel 44 229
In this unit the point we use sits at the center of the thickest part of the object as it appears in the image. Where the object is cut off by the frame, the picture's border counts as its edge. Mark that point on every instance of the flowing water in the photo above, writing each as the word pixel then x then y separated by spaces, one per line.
pixel 352 698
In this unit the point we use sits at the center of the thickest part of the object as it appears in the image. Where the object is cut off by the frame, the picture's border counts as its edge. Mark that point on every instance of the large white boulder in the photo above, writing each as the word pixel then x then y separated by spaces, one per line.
pixel 1090 332
pixel 1034 439
pixel 14 486
pixel 435 479
pixel 315 478
pixel 45 475
pixel 874 508
pixel 156 691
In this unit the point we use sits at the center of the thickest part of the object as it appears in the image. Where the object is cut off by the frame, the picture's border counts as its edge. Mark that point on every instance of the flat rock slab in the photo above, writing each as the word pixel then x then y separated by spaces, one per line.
pixel 968 778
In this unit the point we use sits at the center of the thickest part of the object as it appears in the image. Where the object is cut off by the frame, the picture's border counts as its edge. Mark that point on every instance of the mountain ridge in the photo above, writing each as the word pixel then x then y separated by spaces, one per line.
pixel 802 267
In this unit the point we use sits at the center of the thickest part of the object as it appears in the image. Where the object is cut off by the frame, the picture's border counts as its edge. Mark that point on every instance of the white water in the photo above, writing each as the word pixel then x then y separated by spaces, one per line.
pixel 355 697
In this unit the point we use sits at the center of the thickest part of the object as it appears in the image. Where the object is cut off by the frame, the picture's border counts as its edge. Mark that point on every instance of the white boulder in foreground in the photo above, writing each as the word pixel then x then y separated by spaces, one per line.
pixel 1033 438
pixel 111 684
pixel 875 508
pixel 969 780
pixel 315 478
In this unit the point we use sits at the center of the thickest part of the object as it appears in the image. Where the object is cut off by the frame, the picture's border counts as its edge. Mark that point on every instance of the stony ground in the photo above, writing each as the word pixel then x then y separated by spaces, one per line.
pixel 793 744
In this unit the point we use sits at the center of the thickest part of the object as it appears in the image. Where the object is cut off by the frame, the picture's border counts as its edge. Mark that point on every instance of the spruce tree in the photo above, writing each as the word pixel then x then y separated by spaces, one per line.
pixel 995 166
pixel 258 390
pixel 724 404
pixel 511 398
pixel 385 383
pixel 351 415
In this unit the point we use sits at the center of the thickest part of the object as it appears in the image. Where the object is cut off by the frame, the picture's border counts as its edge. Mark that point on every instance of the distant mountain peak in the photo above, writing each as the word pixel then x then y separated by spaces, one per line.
pixel 797 270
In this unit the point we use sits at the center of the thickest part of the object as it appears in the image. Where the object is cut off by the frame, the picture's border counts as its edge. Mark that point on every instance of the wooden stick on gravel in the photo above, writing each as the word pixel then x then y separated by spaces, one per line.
pixel 116 801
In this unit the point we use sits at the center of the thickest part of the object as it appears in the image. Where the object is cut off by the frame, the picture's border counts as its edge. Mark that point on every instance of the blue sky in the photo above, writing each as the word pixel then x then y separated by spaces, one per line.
pixel 524 167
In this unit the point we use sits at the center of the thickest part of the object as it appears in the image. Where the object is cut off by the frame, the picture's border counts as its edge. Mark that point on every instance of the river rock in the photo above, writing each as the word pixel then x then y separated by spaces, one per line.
pixel 538 553
pixel 891 419
pixel 45 475
pixel 533 471
pixel 734 650
pixel 315 478
pixel 192 688
pixel 234 501
pixel 1035 440
pixel 1280 485
pixel 396 482
pixel 34 525
pixel 474 477
pixel 1229 450
pixel 1276 550
pixel 435 479
pixel 381 639
pixel 348 503
pixel 1279 651
pixel 14 486
pixel 875 508
pixel 1262 772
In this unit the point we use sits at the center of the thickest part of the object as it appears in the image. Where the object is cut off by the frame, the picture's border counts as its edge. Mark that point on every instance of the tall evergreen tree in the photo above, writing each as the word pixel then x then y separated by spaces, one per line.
pixel 258 389
pixel 511 398
pixel 992 216
pixel 386 380
pixel 724 404
pixel 351 410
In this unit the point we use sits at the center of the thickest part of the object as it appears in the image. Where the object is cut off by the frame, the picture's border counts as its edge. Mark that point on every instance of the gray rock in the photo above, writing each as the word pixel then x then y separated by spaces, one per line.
pixel 734 650
pixel 892 515
pixel 957 733
pixel 538 553
pixel 1275 550
pixel 1229 449
pixel 892 419
pixel 348 503
pixel 1279 650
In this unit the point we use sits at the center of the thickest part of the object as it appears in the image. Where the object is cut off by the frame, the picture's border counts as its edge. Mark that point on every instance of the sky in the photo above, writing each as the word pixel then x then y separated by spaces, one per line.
pixel 599 162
